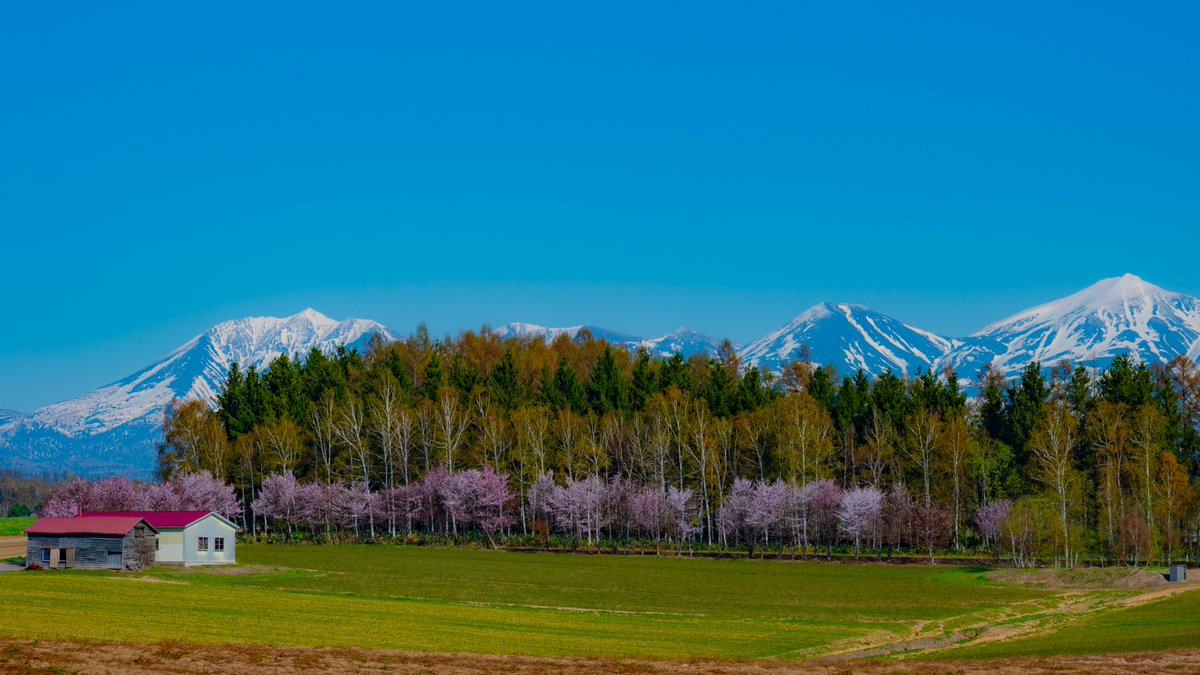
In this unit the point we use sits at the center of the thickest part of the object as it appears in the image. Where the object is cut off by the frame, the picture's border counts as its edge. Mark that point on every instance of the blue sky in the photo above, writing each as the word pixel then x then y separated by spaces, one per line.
pixel 712 165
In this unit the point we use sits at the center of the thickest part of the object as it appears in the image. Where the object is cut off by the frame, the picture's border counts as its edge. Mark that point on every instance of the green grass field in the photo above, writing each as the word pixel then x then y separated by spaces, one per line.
pixel 10 527
pixel 537 604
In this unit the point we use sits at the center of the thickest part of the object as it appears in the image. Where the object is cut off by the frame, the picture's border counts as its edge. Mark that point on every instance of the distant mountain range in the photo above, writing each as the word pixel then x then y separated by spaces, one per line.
pixel 685 341
pixel 115 429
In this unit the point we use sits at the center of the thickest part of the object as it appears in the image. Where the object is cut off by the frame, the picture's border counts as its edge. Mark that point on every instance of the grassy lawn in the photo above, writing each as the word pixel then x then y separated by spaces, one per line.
pixel 446 600
pixel 10 527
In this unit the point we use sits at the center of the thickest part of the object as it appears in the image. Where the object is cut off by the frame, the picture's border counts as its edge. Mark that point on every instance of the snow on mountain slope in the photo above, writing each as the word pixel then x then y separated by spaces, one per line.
pixel 685 341
pixel 128 412
pixel 530 330
pixel 9 415
pixel 1121 315
pixel 850 337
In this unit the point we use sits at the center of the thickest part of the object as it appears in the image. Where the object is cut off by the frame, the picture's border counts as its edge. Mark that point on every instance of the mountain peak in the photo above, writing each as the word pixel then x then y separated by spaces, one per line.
pixel 1118 315
pixel 849 335
pixel 310 314
pixel 126 414
pixel 683 341
pixel 1126 286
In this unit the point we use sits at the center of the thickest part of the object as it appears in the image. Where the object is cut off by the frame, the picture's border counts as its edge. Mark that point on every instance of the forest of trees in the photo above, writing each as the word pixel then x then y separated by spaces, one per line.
pixel 496 438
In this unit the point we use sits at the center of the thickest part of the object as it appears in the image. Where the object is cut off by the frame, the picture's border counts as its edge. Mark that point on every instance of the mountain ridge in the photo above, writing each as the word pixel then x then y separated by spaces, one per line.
pixel 116 427
pixel 128 412
pixel 1117 315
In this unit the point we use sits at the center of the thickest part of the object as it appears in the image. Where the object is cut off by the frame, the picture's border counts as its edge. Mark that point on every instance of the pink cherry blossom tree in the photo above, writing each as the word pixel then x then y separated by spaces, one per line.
pixel 494 503
pixel 824 497
pixel 202 492
pixel 990 520
pixel 278 499
pixel 733 516
pixel 858 513
pixel 682 513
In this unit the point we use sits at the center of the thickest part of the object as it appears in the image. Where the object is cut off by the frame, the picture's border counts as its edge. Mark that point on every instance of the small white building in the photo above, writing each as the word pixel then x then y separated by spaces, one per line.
pixel 188 537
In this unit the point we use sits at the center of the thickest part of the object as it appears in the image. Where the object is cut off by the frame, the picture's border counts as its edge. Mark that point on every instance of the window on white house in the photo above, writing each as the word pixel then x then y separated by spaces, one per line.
pixel 202 543
pixel 45 555
pixel 219 544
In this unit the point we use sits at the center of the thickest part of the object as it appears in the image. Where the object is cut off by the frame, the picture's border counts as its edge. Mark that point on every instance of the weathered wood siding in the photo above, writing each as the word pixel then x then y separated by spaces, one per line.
pixel 92 551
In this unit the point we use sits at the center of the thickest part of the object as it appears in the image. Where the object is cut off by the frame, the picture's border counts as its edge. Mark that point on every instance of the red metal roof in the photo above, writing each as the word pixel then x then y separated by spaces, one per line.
pixel 157 519
pixel 108 525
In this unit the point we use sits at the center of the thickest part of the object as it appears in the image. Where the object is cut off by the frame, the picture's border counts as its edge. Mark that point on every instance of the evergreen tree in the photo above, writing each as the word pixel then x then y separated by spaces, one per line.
pixel 720 389
pixel 674 372
pixel 1079 391
pixel 890 398
pixel 464 376
pixel 433 379
pixel 566 383
pixel 1123 382
pixel 1026 405
pixel 506 382
pixel 645 380
pixel 820 387
pixel 993 410
pixel 606 390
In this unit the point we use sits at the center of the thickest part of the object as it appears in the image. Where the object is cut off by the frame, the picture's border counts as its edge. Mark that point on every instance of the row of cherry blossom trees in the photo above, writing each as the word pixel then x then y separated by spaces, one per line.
pixel 189 492
pixel 754 515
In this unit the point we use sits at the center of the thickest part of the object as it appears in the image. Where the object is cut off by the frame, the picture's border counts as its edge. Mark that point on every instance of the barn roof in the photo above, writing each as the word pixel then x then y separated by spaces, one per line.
pixel 105 525
pixel 160 519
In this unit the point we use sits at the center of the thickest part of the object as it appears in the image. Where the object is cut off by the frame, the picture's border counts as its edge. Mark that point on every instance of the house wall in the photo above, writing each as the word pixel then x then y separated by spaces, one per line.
pixel 92 551
pixel 211 527
pixel 138 548
pixel 170 546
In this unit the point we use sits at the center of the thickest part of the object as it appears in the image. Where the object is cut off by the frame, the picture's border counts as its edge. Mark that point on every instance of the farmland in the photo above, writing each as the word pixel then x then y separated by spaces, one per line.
pixel 417 599
pixel 14 526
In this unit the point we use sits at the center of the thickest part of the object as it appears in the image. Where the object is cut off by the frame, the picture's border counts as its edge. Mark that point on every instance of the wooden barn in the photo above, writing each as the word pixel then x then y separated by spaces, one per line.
pixel 111 543
pixel 186 537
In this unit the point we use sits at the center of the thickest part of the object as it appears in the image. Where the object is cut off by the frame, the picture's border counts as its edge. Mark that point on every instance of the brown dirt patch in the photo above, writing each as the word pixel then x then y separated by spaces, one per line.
pixel 1118 578
pixel 53 656
pixel 11 547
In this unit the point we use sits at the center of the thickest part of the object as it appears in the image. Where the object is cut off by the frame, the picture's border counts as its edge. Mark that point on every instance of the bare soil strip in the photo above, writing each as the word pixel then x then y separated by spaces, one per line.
pixel 11 547
pixel 1084 593
pixel 53 656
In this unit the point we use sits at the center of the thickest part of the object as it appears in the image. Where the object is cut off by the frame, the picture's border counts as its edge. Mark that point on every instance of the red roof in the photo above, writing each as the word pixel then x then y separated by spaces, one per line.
pixel 107 525
pixel 158 519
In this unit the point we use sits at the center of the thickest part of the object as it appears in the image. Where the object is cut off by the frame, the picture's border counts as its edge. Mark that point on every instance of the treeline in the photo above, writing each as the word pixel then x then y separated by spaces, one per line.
pixel 1074 465
pixel 23 495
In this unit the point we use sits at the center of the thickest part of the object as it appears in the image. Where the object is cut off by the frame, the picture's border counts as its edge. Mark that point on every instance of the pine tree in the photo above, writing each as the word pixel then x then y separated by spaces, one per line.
pixel 821 389
pixel 1026 405
pixel 566 383
pixel 606 390
pixel 645 380
pixel 506 383
pixel 433 379
pixel 1122 382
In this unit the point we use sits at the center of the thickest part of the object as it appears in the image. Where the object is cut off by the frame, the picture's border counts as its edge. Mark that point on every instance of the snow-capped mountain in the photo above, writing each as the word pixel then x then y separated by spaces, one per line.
pixel 124 417
pixel 1121 315
pixel 9 415
pixel 530 330
pixel 850 337
pixel 685 341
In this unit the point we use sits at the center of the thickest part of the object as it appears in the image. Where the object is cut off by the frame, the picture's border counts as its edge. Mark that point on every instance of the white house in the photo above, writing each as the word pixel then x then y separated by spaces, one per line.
pixel 188 537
